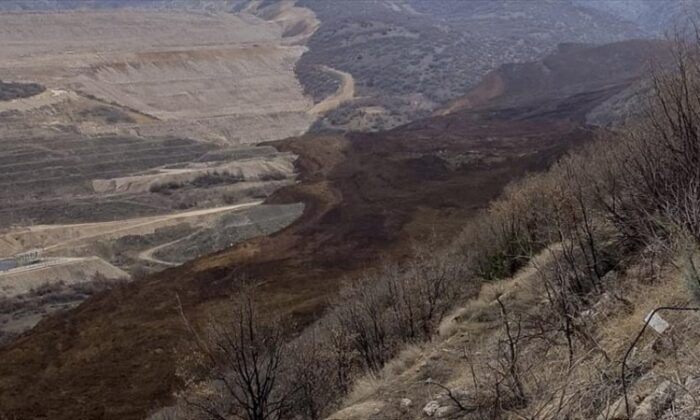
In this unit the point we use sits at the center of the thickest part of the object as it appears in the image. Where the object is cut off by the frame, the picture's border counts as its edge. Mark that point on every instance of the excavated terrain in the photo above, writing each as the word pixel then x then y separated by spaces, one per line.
pixel 230 78
pixel 366 197
pixel 129 137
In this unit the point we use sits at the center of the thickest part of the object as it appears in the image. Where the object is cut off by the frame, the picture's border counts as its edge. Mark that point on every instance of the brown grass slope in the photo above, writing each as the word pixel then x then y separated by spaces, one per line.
pixel 366 195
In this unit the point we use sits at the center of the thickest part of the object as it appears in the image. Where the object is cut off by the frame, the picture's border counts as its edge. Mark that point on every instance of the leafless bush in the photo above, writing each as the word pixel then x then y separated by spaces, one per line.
pixel 653 179
pixel 502 238
pixel 507 365
pixel 421 293
pixel 243 360
pixel 313 373
pixel 363 318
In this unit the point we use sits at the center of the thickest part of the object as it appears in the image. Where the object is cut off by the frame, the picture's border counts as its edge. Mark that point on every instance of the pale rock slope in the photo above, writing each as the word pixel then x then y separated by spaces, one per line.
pixel 217 76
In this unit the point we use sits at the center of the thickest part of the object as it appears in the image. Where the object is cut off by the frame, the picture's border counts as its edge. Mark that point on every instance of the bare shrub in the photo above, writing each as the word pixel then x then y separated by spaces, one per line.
pixel 503 238
pixel 420 295
pixel 311 372
pixel 242 358
pixel 363 318
pixel 653 180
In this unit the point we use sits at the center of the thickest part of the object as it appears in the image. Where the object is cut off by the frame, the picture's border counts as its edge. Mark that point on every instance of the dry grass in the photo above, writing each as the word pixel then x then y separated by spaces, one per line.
pixel 466 350
pixel 369 383
pixel 520 289
pixel 364 387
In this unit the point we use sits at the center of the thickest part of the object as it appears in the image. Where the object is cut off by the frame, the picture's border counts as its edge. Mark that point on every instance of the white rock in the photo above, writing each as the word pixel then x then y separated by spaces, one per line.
pixel 446 411
pixel 692 383
pixel 431 407
pixel 405 402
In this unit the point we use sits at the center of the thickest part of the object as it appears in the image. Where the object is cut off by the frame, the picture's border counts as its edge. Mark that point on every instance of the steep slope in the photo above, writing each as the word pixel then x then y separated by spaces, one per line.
pixel 230 79
pixel 138 110
pixel 573 69
pixel 367 196
pixel 407 57
pixel 662 380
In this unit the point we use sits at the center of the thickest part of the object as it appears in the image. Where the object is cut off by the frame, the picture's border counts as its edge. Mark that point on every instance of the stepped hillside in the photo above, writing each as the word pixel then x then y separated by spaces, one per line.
pixel 217 83
pixel 129 134
pixel 366 196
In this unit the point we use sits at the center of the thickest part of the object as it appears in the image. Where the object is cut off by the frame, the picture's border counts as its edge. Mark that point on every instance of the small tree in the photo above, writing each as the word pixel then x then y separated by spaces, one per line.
pixel 243 360
pixel 313 374
pixel 362 317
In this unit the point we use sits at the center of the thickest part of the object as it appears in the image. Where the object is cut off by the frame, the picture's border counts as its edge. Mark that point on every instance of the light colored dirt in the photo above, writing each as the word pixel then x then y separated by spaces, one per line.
pixel 68 270
pixel 360 411
pixel 147 255
pixel 54 238
pixel 490 87
pixel 231 78
pixel 373 110
pixel 297 23
pixel 345 92
pixel 46 98
pixel 247 170
pixel 9 246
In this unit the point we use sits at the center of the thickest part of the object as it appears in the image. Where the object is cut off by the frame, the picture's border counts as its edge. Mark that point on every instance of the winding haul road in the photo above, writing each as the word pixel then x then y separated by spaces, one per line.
pixel 345 92
pixel 147 255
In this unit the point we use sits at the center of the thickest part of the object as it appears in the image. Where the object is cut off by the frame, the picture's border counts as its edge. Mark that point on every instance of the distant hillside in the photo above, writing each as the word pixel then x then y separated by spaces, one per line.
pixel 218 5
pixel 655 17
pixel 409 57
pixel 570 70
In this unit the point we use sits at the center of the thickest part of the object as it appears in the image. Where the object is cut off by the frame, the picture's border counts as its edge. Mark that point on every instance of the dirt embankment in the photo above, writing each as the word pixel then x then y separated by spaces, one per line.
pixel 68 270
pixel 490 87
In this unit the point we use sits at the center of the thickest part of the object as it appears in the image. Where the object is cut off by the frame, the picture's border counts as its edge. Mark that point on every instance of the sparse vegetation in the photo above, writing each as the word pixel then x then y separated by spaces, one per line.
pixel 595 219
pixel 365 195
pixel 412 63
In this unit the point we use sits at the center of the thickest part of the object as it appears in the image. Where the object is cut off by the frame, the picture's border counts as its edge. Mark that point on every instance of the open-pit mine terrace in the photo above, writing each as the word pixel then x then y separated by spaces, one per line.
pixel 220 76
pixel 130 142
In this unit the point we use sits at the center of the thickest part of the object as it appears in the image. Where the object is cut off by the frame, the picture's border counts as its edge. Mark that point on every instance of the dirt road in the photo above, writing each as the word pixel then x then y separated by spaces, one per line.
pixel 53 237
pixel 147 255
pixel 345 92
